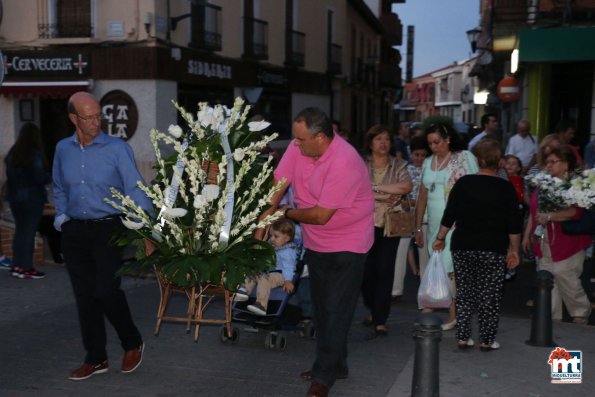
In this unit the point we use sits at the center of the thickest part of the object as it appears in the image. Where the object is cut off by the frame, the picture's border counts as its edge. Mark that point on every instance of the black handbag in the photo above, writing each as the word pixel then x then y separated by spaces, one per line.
pixel 583 225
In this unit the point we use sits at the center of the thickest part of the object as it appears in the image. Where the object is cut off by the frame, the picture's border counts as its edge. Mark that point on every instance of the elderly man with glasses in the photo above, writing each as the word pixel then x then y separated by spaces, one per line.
pixel 86 165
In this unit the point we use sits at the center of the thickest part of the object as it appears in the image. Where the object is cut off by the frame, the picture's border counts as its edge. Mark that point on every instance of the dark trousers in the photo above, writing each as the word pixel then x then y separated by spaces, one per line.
pixel 335 279
pixel 92 263
pixel 26 220
pixel 379 273
pixel 54 237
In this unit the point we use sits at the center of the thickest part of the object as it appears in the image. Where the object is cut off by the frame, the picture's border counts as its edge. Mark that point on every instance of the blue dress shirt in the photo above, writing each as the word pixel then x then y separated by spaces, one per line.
pixel 83 176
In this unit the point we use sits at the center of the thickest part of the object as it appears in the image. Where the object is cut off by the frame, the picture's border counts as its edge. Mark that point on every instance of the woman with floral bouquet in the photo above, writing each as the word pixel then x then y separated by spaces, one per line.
pixel 558 253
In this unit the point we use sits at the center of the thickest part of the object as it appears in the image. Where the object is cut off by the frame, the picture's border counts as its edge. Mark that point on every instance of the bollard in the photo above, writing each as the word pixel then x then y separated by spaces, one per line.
pixel 541 323
pixel 427 336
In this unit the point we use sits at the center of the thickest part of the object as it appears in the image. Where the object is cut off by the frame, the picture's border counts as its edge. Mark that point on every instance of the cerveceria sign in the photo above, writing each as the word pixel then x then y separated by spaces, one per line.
pixel 46 64
pixel 121 114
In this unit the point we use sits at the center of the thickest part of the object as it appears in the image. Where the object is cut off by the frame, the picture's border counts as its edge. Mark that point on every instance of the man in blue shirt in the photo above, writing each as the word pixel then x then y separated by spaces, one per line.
pixel 86 165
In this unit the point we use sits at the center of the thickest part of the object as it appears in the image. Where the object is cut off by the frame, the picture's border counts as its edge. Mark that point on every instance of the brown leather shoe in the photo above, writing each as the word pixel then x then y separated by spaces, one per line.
pixel 86 371
pixel 132 359
pixel 307 375
pixel 317 390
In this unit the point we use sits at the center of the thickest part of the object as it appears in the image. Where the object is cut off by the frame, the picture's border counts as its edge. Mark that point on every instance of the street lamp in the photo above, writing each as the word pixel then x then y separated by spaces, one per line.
pixel 473 37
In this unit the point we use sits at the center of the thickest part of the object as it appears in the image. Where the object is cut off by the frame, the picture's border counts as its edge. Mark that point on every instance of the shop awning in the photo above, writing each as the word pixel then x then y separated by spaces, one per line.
pixel 557 44
pixel 51 89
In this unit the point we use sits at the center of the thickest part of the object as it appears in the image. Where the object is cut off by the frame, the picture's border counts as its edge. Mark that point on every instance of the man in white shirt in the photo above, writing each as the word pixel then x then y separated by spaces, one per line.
pixel 523 145
pixel 489 124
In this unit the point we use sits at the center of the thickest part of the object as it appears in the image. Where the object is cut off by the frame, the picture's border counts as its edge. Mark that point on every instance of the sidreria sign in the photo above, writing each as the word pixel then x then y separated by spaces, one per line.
pixel 121 114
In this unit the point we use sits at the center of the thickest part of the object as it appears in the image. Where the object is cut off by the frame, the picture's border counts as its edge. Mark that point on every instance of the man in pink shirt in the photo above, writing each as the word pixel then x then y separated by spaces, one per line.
pixel 335 207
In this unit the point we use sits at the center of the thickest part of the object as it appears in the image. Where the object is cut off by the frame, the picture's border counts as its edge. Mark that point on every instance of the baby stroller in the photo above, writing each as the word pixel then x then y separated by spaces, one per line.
pixel 280 319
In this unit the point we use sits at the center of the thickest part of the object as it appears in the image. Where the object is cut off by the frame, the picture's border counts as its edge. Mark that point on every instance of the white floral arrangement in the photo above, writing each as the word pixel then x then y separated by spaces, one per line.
pixel 550 191
pixel 582 189
pixel 207 198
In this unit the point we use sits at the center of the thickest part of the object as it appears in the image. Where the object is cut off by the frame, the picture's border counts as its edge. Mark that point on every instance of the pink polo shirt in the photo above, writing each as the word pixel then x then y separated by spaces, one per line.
pixel 338 180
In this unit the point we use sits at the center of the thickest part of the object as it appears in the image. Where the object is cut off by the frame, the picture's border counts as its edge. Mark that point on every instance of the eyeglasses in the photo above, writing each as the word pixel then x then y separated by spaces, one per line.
pixel 88 119
pixel 552 162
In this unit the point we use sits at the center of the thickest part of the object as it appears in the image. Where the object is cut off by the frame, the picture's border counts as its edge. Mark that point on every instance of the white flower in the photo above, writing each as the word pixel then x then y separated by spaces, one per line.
pixel 199 201
pixel 210 192
pixel 205 115
pixel 175 130
pixel 131 224
pixel 258 125
pixel 175 212
pixel 238 154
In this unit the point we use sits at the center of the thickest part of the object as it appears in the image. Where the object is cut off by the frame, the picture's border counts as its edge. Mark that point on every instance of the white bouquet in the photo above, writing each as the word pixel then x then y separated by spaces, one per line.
pixel 207 199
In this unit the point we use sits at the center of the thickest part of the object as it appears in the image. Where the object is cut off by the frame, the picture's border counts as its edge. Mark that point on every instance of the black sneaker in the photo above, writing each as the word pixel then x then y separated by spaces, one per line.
pixel 31 274
pixel 16 271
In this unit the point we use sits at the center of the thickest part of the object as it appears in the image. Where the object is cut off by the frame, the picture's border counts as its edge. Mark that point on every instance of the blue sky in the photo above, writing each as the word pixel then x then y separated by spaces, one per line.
pixel 440 27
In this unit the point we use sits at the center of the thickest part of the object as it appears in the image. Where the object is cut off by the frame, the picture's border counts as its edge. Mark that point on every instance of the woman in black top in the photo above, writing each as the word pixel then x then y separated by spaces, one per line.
pixel 485 241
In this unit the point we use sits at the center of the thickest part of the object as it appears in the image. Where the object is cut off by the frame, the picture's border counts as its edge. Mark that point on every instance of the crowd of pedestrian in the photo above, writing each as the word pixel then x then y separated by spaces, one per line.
pixel 468 203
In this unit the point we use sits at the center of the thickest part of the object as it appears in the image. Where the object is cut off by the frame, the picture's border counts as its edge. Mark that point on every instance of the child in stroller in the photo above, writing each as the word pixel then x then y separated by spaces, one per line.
pixel 276 314
pixel 282 235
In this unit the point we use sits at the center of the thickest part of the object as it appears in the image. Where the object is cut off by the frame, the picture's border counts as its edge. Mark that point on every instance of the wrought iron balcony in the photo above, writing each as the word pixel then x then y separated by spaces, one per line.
pixel 256 34
pixel 334 58
pixel 66 29
pixel 206 27
pixel 295 48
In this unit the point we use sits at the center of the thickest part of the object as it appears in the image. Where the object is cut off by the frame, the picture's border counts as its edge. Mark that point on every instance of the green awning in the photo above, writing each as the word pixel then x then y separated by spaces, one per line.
pixel 557 44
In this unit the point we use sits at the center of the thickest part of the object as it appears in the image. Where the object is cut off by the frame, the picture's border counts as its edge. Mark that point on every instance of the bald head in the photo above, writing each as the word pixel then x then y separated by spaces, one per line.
pixel 523 128
pixel 78 99
pixel 84 112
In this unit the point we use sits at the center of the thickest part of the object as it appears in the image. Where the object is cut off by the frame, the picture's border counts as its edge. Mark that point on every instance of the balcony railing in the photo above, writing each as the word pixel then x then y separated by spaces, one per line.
pixel 334 58
pixel 206 27
pixel 62 30
pixel 515 12
pixel 64 19
pixel 256 34
pixel 295 48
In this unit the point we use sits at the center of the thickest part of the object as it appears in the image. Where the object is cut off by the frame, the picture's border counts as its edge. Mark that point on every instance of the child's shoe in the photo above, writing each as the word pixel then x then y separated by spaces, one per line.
pixel 257 309
pixel 241 295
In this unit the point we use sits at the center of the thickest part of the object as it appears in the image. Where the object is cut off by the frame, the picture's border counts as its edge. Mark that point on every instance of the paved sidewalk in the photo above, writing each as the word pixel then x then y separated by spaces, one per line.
pixel 41 344
pixel 516 370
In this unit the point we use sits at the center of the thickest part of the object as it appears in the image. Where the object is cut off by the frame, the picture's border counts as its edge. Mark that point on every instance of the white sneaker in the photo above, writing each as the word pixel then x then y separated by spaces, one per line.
pixel 241 295
pixel 449 325
pixel 494 346
pixel 257 309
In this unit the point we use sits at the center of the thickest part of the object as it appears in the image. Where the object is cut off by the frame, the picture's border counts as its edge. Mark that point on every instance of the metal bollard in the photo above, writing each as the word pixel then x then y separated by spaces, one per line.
pixel 427 336
pixel 541 323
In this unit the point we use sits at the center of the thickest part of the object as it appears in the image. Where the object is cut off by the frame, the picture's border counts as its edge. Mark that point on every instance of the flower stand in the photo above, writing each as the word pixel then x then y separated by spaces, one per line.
pixel 166 290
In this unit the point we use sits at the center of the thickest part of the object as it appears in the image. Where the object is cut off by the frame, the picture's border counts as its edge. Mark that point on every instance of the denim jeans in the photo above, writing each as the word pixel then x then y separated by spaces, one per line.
pixel 92 262
pixel 26 219
pixel 335 280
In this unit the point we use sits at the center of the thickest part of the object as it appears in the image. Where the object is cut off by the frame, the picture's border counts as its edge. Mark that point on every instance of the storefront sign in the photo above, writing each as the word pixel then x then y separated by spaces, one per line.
pixel 121 114
pixel 266 77
pixel 46 64
pixel 209 69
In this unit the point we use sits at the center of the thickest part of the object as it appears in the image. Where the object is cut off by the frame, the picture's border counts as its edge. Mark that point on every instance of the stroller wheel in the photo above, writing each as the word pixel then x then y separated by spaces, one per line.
pixel 235 335
pixel 233 338
pixel 309 330
pixel 281 342
pixel 269 341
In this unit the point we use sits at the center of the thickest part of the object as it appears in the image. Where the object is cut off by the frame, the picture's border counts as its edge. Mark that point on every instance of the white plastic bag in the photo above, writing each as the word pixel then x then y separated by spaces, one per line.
pixel 434 289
